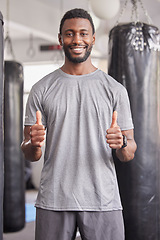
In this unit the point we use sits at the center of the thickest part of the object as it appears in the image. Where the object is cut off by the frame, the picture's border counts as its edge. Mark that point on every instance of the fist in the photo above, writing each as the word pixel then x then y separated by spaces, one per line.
pixel 37 132
pixel 114 135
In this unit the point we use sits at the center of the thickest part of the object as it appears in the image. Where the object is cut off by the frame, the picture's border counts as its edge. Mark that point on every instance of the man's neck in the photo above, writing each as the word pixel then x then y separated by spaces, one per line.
pixel 78 68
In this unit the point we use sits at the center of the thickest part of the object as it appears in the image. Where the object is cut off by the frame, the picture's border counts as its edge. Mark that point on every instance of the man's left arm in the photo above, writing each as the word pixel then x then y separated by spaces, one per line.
pixel 127 153
pixel 122 141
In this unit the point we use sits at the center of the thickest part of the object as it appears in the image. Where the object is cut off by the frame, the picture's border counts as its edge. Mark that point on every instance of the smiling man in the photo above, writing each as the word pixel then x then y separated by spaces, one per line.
pixel 85 114
pixel 76 40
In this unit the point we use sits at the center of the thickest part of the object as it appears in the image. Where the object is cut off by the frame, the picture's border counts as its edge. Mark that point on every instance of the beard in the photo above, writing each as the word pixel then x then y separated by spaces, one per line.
pixel 77 59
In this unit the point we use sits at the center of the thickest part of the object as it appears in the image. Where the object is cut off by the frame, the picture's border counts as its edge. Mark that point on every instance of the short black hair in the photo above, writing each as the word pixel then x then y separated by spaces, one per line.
pixel 76 13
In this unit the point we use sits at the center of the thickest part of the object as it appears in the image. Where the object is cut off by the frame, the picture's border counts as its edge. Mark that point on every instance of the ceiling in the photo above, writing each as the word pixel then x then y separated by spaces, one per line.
pixel 36 22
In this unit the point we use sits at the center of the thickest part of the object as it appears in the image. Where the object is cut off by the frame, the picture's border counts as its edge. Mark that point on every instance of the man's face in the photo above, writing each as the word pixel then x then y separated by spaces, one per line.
pixel 77 39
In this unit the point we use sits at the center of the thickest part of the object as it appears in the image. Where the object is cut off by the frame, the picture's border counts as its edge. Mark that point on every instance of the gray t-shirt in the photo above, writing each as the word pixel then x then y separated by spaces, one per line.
pixel 78 172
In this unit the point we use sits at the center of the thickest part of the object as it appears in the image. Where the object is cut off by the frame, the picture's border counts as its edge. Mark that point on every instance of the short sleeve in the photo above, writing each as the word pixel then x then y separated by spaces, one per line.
pixel 34 103
pixel 123 109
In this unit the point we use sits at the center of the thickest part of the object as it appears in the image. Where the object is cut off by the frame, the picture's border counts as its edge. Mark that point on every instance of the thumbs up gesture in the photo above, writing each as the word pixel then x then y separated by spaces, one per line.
pixel 38 118
pixel 114 135
pixel 37 131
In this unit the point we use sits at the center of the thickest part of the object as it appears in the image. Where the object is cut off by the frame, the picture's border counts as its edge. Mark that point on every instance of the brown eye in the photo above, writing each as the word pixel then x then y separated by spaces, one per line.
pixel 69 34
pixel 84 34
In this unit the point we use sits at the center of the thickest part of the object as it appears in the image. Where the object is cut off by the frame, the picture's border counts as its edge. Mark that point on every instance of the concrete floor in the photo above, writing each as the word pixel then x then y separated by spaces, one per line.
pixel 27 233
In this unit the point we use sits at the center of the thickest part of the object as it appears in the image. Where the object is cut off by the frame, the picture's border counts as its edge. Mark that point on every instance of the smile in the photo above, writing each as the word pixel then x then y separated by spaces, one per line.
pixel 78 49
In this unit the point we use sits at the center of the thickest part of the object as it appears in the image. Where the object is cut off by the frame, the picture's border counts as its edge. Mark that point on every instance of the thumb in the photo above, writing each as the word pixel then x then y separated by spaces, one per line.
pixel 114 119
pixel 38 118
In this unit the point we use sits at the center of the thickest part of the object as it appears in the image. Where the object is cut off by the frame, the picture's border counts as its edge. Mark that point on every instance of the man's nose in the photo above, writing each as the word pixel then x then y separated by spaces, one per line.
pixel 77 38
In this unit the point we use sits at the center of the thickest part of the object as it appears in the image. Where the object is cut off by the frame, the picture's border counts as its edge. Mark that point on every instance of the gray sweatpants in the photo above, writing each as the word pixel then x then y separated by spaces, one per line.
pixel 57 225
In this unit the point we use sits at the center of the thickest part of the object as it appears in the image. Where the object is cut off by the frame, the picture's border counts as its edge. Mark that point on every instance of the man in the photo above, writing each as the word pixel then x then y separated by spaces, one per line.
pixel 76 105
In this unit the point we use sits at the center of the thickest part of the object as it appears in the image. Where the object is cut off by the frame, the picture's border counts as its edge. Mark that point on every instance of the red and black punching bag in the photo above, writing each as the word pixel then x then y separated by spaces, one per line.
pixel 134 61
pixel 14 185
pixel 1 125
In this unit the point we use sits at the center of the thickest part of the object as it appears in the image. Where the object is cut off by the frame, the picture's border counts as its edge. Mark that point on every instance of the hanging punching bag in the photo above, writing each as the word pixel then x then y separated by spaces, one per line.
pixel 1 126
pixel 134 61
pixel 14 200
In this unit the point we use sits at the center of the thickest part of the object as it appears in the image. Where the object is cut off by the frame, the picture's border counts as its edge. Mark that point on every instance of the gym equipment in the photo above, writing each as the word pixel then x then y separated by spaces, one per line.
pixel 14 184
pixel 134 61
pixel 1 124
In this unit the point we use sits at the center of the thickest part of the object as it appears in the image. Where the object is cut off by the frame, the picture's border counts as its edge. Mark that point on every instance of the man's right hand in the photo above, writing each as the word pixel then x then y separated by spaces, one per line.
pixel 37 132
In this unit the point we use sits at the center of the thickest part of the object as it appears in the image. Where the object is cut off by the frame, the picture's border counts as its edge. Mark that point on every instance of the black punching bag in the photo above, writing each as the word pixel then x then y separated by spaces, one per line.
pixel 134 61
pixel 1 126
pixel 14 187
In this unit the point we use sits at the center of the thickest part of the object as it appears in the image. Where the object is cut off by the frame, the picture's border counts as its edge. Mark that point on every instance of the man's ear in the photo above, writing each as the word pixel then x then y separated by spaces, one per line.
pixel 60 39
pixel 94 38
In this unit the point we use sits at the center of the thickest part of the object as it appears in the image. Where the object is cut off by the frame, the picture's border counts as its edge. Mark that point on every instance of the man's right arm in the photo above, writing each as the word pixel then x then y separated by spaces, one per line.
pixel 33 140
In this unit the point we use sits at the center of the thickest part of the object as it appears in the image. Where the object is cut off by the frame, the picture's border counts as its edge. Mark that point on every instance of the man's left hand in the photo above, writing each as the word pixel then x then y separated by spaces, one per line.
pixel 114 135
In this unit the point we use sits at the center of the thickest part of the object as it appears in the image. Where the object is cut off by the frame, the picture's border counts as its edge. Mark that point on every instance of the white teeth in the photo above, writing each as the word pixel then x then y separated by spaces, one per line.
pixel 77 49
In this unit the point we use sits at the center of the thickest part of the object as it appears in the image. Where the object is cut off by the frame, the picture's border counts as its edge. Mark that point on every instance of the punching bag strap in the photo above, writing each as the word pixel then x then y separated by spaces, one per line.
pixel 135 12
pixel 7 42
pixel 1 19
pixel 8 46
